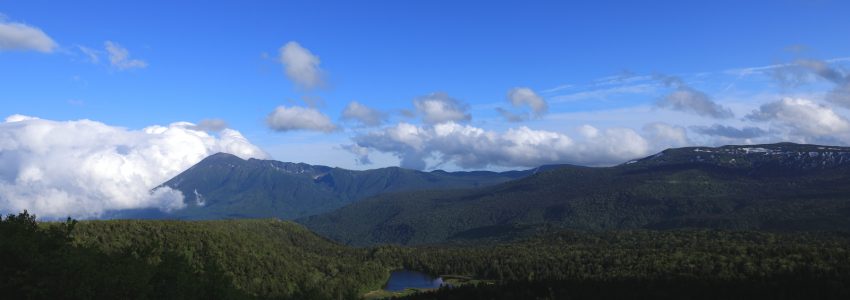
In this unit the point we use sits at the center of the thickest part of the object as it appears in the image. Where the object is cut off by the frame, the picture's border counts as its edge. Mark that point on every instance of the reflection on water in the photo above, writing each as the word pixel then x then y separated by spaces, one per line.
pixel 404 279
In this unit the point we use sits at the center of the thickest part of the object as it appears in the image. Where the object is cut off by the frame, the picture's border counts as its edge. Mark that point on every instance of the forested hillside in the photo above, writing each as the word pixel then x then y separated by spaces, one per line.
pixel 224 186
pixel 266 259
pixel 126 259
pixel 784 187
pixel 643 264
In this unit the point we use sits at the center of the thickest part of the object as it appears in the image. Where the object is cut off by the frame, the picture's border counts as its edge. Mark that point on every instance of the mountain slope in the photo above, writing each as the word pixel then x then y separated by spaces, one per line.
pixel 225 186
pixel 772 187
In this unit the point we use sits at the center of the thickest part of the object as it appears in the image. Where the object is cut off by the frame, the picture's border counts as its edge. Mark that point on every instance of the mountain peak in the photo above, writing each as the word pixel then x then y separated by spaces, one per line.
pixel 222 155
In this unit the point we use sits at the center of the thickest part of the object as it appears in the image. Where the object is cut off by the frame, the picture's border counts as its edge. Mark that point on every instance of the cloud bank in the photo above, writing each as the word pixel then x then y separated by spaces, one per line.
pixel 472 147
pixel 802 119
pixel 83 168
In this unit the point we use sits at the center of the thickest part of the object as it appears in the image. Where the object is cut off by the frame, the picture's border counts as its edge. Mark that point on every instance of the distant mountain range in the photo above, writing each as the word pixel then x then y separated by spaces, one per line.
pixel 224 186
pixel 779 187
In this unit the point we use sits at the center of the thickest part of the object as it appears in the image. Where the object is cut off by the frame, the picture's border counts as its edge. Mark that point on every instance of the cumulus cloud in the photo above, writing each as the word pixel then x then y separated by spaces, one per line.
pixel 472 147
pixel 440 108
pixel 285 118
pixel 301 65
pixel 687 99
pixel 801 117
pixel 361 113
pixel 520 97
pixel 84 168
pixel 119 57
pixel 730 132
pixel 23 37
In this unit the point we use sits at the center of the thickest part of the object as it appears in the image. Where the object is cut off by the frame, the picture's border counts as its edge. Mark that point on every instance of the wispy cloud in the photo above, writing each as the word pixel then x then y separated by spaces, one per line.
pixel 119 57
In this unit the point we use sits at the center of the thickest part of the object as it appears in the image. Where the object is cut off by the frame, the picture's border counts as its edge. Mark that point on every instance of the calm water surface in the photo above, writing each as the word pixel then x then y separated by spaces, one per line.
pixel 404 279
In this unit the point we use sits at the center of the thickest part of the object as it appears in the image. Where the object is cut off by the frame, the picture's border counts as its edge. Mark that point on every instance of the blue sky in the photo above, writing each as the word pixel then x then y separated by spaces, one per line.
pixel 599 67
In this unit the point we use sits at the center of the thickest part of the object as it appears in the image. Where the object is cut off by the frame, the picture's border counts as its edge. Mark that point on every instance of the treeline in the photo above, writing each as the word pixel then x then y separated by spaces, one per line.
pixel 270 259
pixel 776 288
pixel 262 259
pixel 684 262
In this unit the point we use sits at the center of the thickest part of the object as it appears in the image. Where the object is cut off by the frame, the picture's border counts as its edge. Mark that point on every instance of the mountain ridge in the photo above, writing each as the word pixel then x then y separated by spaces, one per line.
pixel 224 186
pixel 783 187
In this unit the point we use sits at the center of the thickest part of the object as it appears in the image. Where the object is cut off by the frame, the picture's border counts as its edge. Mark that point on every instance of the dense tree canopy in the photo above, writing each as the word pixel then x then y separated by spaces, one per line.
pixel 239 259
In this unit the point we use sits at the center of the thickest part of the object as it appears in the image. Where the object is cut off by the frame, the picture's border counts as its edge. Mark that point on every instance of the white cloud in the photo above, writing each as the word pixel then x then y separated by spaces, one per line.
pixel 439 108
pixel 473 147
pixel 299 118
pixel 120 59
pixel 18 36
pixel 363 114
pixel 301 65
pixel 802 118
pixel 84 168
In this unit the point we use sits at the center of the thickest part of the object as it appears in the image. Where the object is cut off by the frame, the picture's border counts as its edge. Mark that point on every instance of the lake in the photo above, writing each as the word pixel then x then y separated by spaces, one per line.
pixel 404 279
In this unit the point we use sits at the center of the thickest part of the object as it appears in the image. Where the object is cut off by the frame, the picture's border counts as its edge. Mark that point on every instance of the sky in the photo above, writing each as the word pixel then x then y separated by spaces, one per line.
pixel 140 90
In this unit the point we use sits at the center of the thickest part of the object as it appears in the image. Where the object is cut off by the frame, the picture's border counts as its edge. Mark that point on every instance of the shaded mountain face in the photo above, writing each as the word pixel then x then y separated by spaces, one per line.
pixel 768 187
pixel 766 159
pixel 226 186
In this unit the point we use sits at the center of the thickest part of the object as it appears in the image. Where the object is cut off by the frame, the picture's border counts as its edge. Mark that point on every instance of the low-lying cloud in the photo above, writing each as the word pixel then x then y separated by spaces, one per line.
pixel 84 168
pixel 471 147
pixel 748 132
pixel 801 118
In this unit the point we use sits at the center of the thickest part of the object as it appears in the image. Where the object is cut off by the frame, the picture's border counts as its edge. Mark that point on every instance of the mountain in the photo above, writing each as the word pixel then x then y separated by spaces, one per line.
pixel 781 187
pixel 224 186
